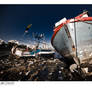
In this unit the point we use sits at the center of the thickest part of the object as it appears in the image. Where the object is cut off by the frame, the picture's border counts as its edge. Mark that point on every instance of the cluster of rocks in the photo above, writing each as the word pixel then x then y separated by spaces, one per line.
pixel 35 69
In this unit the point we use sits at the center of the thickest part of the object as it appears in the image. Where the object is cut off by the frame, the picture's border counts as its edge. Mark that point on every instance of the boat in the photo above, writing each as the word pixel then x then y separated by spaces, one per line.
pixel 4 49
pixel 22 51
pixel 72 38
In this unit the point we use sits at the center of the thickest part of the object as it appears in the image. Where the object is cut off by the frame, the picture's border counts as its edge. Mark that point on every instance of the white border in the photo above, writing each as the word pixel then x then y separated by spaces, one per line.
pixel 47 86
pixel 45 1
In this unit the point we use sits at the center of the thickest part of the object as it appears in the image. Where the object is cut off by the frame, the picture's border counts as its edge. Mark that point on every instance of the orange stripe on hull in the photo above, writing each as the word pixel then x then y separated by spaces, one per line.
pixel 77 19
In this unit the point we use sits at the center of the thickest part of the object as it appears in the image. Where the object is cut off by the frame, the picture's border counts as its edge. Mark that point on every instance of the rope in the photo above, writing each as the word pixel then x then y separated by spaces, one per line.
pixel 75 37
pixel 81 21
pixel 76 44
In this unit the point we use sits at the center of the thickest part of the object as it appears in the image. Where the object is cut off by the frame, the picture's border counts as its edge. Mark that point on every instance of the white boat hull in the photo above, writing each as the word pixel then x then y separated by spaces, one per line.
pixel 65 45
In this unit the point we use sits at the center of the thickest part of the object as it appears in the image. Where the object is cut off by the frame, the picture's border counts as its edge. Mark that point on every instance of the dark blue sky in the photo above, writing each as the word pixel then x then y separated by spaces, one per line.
pixel 14 18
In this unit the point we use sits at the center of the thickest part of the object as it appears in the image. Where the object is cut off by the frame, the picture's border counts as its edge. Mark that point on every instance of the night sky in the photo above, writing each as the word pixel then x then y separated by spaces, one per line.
pixel 15 18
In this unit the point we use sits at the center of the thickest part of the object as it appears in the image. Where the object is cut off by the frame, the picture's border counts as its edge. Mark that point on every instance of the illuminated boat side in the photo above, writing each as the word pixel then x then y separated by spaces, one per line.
pixel 68 43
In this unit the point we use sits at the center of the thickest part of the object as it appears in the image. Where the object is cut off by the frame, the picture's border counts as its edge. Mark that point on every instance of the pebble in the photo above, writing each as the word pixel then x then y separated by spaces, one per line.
pixel 31 69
